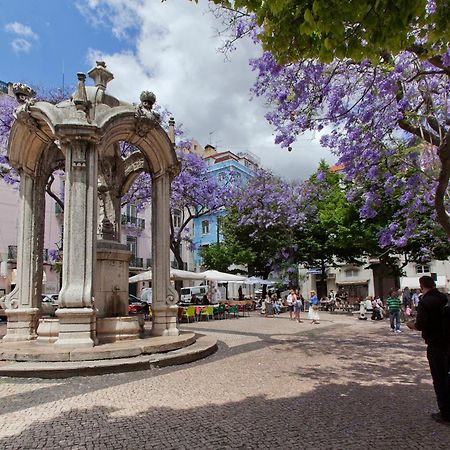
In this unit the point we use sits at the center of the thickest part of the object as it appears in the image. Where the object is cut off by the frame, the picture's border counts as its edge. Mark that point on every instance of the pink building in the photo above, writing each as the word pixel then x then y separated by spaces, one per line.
pixel 9 200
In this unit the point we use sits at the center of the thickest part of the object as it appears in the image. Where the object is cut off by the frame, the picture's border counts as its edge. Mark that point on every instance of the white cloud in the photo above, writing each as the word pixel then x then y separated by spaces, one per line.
pixel 21 45
pixel 20 29
pixel 174 53
pixel 25 33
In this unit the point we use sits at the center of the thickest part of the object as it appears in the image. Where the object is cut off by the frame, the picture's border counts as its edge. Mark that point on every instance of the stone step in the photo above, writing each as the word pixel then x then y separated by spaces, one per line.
pixel 203 347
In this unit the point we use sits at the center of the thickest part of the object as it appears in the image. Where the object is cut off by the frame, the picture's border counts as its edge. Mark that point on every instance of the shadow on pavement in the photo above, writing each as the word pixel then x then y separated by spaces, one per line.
pixel 332 416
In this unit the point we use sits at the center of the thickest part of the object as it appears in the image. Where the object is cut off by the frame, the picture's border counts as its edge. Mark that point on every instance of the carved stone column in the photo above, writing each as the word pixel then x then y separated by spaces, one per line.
pixel 165 297
pixel 24 301
pixel 75 312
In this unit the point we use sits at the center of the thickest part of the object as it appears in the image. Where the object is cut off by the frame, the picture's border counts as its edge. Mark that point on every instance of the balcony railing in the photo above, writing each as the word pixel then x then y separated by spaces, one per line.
pixel 133 221
pixel 148 263
pixel 137 262
pixel 12 253
pixel 58 209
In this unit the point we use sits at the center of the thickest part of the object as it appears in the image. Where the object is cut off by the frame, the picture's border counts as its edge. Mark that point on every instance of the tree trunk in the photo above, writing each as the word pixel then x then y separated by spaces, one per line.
pixel 442 187
pixel 175 247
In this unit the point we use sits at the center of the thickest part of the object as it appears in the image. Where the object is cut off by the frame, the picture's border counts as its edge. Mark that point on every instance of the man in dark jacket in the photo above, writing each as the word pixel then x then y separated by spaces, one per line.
pixel 430 321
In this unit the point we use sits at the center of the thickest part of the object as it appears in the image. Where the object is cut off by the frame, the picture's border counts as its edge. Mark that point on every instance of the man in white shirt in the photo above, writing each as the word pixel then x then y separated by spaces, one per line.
pixel 290 304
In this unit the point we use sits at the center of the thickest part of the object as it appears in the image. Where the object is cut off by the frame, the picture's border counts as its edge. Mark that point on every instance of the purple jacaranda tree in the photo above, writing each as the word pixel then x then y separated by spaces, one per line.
pixel 7 106
pixel 369 116
pixel 262 220
pixel 196 193
pixel 367 112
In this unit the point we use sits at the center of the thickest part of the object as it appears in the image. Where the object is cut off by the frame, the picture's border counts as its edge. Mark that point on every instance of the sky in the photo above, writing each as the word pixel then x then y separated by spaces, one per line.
pixel 170 48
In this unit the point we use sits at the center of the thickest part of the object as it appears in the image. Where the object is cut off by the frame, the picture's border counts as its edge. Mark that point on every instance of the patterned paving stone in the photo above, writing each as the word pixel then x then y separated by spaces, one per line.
pixel 273 384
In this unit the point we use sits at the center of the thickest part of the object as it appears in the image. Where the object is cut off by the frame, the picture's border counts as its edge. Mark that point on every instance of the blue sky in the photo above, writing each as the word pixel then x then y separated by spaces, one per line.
pixel 168 47
pixel 61 39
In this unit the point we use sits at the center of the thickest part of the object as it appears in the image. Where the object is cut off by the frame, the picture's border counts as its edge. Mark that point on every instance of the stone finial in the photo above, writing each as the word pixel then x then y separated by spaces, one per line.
pixel 100 75
pixel 79 97
pixel 23 92
pixel 171 131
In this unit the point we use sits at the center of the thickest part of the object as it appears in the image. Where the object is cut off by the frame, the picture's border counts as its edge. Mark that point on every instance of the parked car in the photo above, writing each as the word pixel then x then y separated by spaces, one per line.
pixel 136 306
pixel 49 304
pixel 2 313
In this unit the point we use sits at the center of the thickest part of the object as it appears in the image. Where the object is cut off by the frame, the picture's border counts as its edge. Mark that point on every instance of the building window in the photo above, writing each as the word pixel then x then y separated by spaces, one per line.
pixel 132 245
pixel 219 224
pixel 176 218
pixel 351 273
pixel 423 268
pixel 131 210
pixel 205 226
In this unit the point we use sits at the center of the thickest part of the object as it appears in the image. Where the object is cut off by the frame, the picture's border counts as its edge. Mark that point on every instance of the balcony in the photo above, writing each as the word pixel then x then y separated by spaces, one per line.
pixel 148 263
pixel 133 222
pixel 137 262
pixel 58 209
pixel 12 253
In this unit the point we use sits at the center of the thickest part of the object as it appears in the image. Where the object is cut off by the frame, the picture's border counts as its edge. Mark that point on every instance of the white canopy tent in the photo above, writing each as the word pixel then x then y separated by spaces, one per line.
pixel 256 280
pixel 177 274
pixel 222 277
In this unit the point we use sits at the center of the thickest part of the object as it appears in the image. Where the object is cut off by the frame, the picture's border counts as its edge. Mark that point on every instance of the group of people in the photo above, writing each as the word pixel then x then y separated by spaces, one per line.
pixel 295 305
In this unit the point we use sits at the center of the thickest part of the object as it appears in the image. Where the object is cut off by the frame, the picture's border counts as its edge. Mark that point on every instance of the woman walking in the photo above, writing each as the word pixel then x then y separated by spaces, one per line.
pixel 313 313
pixel 297 306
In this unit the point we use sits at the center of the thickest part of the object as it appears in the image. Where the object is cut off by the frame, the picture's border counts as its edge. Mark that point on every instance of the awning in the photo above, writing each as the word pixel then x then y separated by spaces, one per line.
pixel 349 283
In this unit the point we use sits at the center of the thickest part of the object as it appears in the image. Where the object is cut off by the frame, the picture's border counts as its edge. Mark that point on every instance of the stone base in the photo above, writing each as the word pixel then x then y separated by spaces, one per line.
pixel 76 327
pixel 164 320
pixel 113 329
pixel 48 330
pixel 22 324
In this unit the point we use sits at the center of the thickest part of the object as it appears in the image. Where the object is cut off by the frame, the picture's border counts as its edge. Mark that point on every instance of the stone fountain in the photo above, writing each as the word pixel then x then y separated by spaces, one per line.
pixel 82 136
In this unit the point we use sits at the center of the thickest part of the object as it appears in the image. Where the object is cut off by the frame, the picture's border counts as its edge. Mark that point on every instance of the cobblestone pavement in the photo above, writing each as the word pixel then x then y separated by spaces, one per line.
pixel 273 384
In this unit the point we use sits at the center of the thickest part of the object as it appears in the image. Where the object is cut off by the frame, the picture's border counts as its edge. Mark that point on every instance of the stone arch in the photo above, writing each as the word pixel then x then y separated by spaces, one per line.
pixel 144 133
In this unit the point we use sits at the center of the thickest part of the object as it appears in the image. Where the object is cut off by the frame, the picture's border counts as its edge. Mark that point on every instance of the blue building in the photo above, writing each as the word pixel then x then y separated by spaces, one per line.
pixel 242 166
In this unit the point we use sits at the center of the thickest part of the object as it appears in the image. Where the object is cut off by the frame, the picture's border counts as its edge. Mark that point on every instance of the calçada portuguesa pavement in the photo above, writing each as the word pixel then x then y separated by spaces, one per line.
pixel 272 384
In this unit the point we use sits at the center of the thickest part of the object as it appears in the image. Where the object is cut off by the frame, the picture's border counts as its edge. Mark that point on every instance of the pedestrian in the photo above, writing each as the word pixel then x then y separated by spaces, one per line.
pixel 313 313
pixel 240 294
pixel 269 306
pixel 406 298
pixel 433 321
pixel 297 307
pixel 394 304
pixel 290 303
pixel 415 299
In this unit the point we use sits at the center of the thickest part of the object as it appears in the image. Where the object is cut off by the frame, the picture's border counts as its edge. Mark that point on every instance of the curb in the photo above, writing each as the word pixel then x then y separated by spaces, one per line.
pixel 203 347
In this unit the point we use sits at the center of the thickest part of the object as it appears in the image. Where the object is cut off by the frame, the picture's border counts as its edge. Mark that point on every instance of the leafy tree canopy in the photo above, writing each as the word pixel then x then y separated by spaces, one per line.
pixel 357 29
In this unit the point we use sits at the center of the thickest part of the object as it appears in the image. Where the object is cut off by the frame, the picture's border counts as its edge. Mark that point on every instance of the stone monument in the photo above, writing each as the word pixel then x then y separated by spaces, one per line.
pixel 82 136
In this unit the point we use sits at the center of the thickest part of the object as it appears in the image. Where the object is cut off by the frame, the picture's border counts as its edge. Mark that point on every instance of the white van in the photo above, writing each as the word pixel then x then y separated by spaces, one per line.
pixel 188 292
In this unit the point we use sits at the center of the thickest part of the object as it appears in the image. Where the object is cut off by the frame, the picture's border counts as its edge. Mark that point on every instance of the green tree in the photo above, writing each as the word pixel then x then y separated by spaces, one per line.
pixel 357 29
